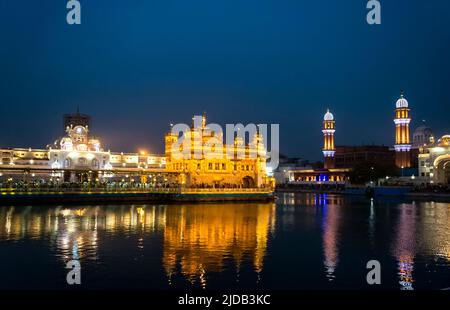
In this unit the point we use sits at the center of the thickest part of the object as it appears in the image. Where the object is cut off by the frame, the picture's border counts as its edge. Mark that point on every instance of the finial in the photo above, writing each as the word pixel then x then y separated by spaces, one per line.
pixel 401 93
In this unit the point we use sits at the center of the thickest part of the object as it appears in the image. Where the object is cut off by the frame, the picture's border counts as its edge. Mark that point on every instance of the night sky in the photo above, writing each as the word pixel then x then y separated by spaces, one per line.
pixel 138 65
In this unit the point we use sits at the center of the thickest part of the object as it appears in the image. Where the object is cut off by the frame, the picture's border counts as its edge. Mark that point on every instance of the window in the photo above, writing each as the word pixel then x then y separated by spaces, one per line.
pixel 210 166
pixel 216 166
pixel 224 167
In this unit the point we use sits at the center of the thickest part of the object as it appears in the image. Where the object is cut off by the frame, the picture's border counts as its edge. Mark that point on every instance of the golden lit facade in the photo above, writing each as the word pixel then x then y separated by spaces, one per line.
pixel 402 141
pixel 328 140
pixel 199 168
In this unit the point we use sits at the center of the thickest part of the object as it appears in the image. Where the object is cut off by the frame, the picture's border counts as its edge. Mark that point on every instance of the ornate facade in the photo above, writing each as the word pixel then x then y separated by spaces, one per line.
pixel 434 161
pixel 218 164
pixel 77 157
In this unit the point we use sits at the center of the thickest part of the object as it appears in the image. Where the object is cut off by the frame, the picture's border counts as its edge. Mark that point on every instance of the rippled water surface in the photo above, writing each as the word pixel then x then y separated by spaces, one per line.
pixel 303 241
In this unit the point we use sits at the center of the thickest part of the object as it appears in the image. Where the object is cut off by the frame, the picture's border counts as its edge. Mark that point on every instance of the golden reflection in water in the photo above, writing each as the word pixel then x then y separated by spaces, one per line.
pixel 199 239
pixel 405 245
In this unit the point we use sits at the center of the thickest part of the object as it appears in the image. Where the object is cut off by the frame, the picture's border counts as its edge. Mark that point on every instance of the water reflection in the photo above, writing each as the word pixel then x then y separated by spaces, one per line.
pixel 331 238
pixel 200 239
pixel 197 239
pixel 405 245
pixel 303 236
pixel 422 234
pixel 329 209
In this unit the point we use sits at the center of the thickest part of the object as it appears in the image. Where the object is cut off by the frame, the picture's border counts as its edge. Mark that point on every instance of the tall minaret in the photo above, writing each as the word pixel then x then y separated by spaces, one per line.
pixel 328 140
pixel 402 143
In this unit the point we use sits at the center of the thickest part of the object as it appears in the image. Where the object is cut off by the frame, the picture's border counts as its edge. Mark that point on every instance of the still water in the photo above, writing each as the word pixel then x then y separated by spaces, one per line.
pixel 303 241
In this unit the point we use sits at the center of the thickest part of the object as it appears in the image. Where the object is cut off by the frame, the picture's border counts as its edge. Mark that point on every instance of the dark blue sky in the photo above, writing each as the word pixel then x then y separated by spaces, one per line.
pixel 138 65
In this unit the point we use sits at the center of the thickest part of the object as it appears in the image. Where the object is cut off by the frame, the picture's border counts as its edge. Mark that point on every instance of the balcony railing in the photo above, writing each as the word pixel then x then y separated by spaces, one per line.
pixel 170 190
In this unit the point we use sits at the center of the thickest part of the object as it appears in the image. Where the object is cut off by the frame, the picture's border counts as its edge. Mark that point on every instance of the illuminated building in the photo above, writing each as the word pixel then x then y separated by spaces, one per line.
pixel 402 142
pixel 328 140
pixel 329 175
pixel 305 176
pixel 200 168
pixel 76 157
pixel 434 161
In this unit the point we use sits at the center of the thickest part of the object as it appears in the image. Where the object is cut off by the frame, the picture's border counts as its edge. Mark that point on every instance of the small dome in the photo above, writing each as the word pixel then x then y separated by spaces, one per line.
pixel 328 116
pixel 445 140
pixel 423 135
pixel 401 102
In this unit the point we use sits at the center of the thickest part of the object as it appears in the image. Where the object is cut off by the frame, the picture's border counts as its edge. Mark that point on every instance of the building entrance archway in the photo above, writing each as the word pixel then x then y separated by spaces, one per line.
pixel 442 169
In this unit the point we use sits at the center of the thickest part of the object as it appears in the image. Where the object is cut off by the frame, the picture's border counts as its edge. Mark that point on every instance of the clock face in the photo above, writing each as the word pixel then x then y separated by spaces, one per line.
pixel 80 130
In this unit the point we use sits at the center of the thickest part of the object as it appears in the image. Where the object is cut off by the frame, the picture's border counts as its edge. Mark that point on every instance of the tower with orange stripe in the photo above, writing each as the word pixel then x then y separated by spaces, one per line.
pixel 328 140
pixel 402 142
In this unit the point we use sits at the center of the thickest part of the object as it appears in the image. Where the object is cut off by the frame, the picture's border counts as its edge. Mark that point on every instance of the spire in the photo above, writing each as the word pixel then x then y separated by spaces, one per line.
pixel 204 120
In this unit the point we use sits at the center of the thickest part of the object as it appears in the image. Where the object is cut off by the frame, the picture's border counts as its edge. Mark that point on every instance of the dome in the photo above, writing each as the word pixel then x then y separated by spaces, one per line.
pixel 401 102
pixel 445 140
pixel 422 135
pixel 328 116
